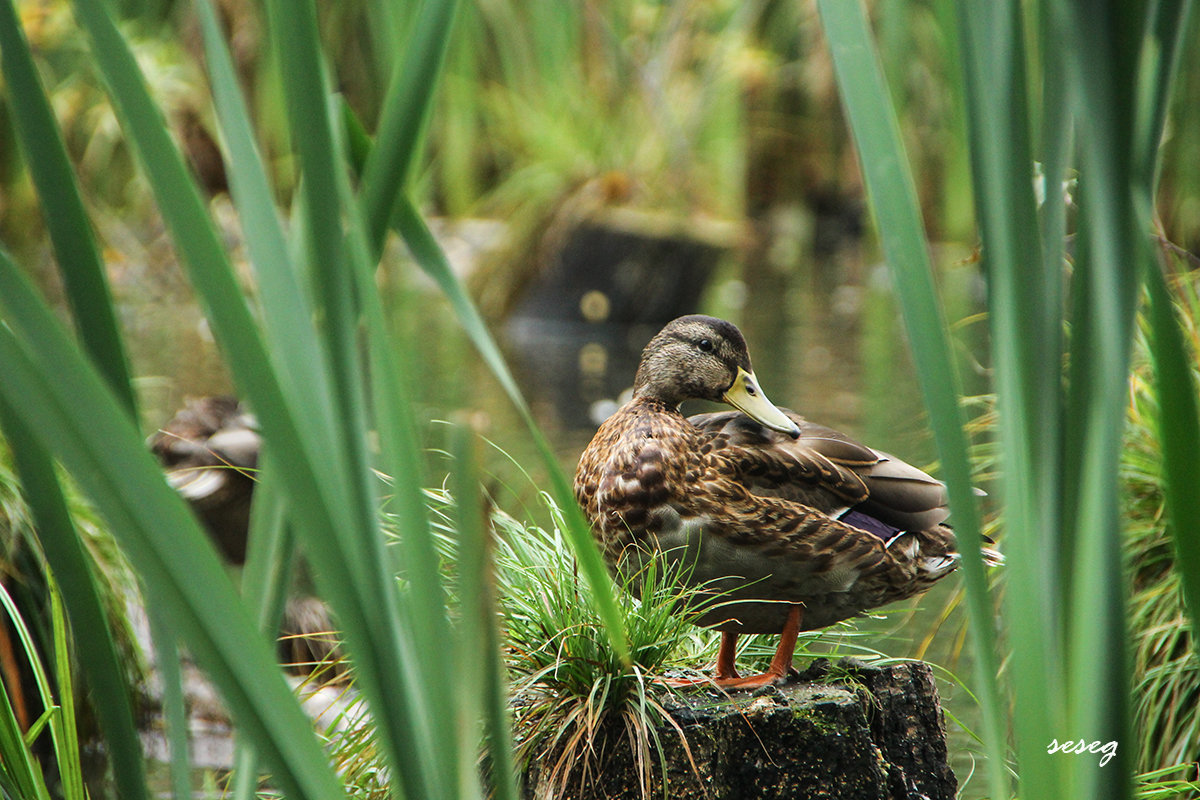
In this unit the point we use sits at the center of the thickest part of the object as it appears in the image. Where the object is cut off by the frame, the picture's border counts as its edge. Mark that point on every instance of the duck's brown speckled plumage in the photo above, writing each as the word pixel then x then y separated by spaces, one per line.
pixel 771 520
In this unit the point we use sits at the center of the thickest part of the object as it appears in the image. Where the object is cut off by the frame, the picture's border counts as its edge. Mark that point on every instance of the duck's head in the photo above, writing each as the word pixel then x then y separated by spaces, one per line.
pixel 705 358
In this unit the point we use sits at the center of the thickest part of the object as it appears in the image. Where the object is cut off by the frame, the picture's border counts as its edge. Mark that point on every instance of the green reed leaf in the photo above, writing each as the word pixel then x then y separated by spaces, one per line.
pixel 404 118
pixel 892 197
pixel 66 220
pixel 1179 415
pixel 1179 432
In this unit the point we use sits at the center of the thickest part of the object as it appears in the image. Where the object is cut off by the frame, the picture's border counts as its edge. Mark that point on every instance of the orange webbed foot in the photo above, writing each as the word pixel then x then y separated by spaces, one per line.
pixel 727 676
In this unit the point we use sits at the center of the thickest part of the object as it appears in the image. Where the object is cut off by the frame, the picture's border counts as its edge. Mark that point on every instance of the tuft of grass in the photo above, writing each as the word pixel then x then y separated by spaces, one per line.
pixel 573 696
pixel 575 699
pixel 21 774
pixel 1170 783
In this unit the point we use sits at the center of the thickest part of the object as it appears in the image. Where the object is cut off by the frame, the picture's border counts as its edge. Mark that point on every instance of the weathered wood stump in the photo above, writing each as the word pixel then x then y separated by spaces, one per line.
pixel 848 731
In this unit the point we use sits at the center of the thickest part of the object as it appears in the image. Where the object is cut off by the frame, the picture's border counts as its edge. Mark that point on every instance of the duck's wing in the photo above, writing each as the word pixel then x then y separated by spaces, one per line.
pixel 824 469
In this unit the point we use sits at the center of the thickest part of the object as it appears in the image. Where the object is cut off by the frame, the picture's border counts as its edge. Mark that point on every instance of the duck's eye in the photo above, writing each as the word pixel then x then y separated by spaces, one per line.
pixel 706 345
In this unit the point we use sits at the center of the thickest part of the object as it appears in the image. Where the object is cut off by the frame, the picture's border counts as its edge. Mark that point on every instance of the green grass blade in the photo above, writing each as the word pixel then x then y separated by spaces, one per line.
pixel 20 774
pixel 388 24
pixel 419 563
pixel 432 260
pixel 270 558
pixel 498 722
pixel 477 616
pixel 404 117
pixel 287 313
pixel 428 696
pixel 175 716
pixel 270 553
pixel 66 736
pixel 70 410
pixel 70 230
pixel 1160 56
pixel 1179 416
pixel 295 38
pixel 93 635
pixel 1055 151
pixel 893 200
pixel 1179 432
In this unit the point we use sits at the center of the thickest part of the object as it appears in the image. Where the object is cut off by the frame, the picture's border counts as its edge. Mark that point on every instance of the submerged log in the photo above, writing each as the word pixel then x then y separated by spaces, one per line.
pixel 847 730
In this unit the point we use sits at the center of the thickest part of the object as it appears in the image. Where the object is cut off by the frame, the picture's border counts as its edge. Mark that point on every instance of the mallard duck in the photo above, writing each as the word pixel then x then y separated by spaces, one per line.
pixel 793 526
pixel 210 452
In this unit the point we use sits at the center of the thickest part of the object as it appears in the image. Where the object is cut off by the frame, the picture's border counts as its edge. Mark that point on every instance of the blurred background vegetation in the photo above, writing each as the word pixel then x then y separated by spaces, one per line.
pixel 715 126
pixel 719 120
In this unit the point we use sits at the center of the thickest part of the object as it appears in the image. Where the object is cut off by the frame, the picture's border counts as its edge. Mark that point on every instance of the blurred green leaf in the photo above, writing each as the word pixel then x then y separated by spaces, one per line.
pixel 1102 61
pixel 404 118
pixel 1026 321
pixel 1179 415
pixel 70 229
pixel 478 623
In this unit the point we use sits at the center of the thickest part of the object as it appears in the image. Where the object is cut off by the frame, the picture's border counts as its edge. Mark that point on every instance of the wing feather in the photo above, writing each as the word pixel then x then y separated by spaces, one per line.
pixel 825 469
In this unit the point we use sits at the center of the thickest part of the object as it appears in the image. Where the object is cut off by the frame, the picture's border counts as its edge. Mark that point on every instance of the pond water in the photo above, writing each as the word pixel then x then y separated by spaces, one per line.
pixel 825 336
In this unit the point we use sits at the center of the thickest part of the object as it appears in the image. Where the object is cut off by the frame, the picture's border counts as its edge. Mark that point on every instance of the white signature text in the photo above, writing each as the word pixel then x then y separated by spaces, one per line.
pixel 1078 748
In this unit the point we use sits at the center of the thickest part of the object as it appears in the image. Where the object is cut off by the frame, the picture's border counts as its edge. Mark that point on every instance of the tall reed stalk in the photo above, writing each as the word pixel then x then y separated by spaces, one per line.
pixel 1088 91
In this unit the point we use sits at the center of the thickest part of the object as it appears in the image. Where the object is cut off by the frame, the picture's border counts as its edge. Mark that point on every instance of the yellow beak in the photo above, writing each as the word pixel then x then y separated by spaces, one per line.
pixel 745 396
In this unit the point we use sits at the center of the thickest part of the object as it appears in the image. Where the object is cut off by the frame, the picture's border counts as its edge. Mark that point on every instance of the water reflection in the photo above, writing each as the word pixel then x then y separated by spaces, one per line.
pixel 578 371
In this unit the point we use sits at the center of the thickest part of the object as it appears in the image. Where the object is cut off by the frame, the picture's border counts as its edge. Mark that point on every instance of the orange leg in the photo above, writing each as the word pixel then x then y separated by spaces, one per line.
pixel 727 676
pixel 726 670
pixel 780 663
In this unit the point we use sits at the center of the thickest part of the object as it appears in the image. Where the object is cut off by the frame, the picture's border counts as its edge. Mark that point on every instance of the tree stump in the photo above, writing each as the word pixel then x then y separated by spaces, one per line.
pixel 847 731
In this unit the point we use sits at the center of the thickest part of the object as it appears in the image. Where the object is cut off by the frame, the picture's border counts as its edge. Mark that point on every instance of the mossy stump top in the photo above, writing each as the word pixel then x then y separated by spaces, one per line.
pixel 847 731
